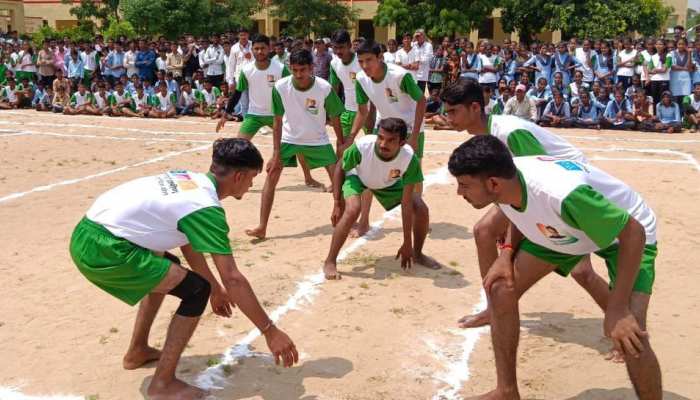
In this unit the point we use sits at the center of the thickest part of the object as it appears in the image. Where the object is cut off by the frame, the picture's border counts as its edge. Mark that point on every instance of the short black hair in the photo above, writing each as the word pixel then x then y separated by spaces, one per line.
pixel 484 156
pixel 340 36
pixel 260 39
pixel 301 57
pixel 369 47
pixel 394 125
pixel 234 154
pixel 464 91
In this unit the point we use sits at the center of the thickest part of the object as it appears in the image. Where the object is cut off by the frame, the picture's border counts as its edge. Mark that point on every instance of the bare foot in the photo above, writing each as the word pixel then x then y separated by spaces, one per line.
pixel 475 320
pixel 497 394
pixel 311 182
pixel 174 390
pixel 137 357
pixel 258 233
pixel 328 189
pixel 359 230
pixel 426 261
pixel 330 271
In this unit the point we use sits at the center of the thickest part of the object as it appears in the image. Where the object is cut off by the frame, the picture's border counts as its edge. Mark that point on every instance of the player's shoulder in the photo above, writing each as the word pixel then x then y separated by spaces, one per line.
pixel 283 83
pixel 322 84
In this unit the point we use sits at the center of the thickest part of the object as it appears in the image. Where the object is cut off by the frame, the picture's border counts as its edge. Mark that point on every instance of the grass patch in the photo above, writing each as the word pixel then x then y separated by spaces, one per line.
pixel 212 362
pixel 366 259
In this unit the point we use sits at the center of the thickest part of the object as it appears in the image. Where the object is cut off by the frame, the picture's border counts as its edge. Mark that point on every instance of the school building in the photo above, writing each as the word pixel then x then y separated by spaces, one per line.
pixel 27 16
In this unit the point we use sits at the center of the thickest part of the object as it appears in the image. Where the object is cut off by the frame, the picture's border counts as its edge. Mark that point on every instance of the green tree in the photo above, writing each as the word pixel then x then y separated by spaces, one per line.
pixel 437 17
pixel 172 18
pixel 320 17
pixel 116 29
pixel 596 19
pixel 89 10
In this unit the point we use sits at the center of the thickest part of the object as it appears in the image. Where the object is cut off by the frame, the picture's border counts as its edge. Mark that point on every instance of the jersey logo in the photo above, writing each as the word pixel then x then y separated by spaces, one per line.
pixel 390 95
pixel 310 106
pixel 570 165
pixel 270 80
pixel 183 180
pixel 352 76
pixel 394 174
pixel 554 236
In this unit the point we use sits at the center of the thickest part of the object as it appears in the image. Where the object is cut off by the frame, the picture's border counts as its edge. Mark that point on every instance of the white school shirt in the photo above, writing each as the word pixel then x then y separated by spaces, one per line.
pixel 346 74
pixel 624 57
pixel 423 55
pixel 405 58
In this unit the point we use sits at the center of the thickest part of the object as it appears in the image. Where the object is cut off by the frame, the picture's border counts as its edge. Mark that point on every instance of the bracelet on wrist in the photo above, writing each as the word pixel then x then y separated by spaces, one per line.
pixel 267 327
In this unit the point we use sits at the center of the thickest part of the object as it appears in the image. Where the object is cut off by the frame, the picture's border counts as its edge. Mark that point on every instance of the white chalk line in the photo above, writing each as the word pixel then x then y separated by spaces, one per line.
pixel 215 378
pixel 13 393
pixel 48 187
pixel 90 136
pixel 34 113
pixel 101 127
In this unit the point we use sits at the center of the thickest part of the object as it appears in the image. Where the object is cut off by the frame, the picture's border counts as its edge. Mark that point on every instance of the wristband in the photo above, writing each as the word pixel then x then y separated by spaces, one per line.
pixel 267 327
pixel 503 246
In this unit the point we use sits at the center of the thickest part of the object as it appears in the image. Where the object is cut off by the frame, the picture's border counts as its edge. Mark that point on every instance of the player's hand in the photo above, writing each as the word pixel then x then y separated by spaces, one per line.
pixel 274 164
pixel 282 347
pixel 406 254
pixel 220 302
pixel 622 327
pixel 338 210
pixel 220 124
pixel 502 268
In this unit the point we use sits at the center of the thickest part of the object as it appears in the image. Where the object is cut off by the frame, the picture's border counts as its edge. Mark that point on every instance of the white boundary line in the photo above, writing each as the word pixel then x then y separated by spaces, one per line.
pixel 50 186
pixel 89 136
pixel 29 114
pixel 100 127
pixel 13 393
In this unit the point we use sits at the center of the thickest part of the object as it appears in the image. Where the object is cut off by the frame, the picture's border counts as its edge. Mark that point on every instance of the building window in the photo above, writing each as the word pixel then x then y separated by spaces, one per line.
pixel 486 29
pixel 366 29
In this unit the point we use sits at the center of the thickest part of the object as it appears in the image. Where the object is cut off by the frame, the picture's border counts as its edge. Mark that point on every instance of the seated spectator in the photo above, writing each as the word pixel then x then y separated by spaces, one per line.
pixel 557 114
pixel 221 101
pixel 80 102
pixel 27 88
pixel 489 100
pixel 100 100
pixel 206 100
pixel 434 104
pixel 120 102
pixel 691 108
pixel 187 102
pixel 163 103
pixel 521 106
pixel 587 113
pixel 39 93
pixel 60 100
pixel 11 95
pixel 635 87
pixel 668 114
pixel 577 86
pixel 140 102
pixel 558 84
pixel 45 102
pixel 618 113
pixel 541 95
pixel 643 111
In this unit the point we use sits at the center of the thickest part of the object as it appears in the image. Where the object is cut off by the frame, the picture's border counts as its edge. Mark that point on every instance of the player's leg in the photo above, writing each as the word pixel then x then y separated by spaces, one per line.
pixel 288 155
pixel 363 224
pixel 308 179
pixel 593 283
pixel 319 156
pixel 505 327
pixel 351 188
pixel 139 351
pixel 644 372
pixel 421 223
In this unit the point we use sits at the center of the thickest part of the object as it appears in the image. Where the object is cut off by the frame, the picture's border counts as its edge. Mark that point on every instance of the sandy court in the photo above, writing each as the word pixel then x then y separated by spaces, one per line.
pixel 379 333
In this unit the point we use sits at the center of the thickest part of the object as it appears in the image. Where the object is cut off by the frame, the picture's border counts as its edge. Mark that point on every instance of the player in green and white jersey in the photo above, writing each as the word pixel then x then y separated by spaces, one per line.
pixel 163 103
pixel 301 103
pixel 80 102
pixel 385 165
pixel 464 104
pixel 560 211
pixel 260 77
pixel 120 244
pixel 206 99
pixel 394 93
pixel 100 100
pixel 343 71
pixel 120 102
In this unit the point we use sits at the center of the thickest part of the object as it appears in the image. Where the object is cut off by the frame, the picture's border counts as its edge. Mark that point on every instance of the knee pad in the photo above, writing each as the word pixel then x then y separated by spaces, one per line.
pixel 194 293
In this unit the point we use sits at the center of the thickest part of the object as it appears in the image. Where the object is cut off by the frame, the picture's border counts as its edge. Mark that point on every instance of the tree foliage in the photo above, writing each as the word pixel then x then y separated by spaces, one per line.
pixel 172 18
pixel 116 29
pixel 320 17
pixel 437 17
pixel 90 10
pixel 596 19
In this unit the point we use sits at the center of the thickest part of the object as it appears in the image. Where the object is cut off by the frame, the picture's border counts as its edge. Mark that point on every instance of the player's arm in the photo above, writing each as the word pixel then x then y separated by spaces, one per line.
pixel 334 108
pixel 410 87
pixel 362 112
pixel 502 267
pixel 241 293
pixel 219 299
pixel 338 200
pixel 406 249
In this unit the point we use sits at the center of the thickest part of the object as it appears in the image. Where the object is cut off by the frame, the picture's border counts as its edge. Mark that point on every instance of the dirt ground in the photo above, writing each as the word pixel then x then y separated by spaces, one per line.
pixel 379 333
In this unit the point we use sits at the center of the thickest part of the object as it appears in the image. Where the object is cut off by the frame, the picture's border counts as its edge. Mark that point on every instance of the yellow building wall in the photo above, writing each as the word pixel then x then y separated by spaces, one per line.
pixel 11 16
pixel 55 13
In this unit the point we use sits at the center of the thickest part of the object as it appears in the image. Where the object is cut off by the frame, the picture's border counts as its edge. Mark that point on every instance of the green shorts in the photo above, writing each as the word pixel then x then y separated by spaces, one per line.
pixel 565 262
pixel 421 143
pixel 253 123
pixel 315 156
pixel 389 197
pixel 115 265
pixel 347 118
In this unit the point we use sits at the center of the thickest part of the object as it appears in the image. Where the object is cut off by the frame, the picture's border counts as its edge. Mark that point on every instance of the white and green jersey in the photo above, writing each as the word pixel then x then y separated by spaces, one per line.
pixel 304 111
pixel 187 98
pixel 261 82
pixel 657 62
pixel 166 211
pixel 9 94
pixel 209 98
pixel 361 159
pixel 347 75
pixel 574 208
pixel 395 95
pixel 138 103
pixel 77 99
pixel 526 138
pixel 163 103
pixel 116 99
pixel 100 101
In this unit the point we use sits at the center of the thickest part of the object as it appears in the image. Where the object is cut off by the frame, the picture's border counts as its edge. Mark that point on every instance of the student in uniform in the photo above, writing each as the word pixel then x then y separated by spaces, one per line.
pixel 541 95
pixel 668 114
pixel 618 113
pixel 557 114
pixel 469 61
pixel 564 63
pixel 691 108
pixel 681 67
pixel 542 64
pixel 604 63
pixel 120 102
pixel 626 61
pixel 301 103
pixel 206 99
pixel 100 100
pixel 586 58
pixel 386 165
pixel 163 103
pixel 587 114
pixel 80 102
pixel 659 70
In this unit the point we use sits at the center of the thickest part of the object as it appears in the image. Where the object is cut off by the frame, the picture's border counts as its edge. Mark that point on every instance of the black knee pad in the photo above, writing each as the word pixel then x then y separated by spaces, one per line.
pixel 172 257
pixel 194 293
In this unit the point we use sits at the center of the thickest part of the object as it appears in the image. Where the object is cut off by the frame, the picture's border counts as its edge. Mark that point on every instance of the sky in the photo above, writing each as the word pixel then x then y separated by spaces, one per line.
pixel 694 4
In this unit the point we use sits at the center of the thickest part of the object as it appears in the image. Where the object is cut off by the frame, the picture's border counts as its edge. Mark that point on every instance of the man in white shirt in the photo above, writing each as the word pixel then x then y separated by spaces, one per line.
pixel 390 56
pixel 214 59
pixel 406 56
pixel 521 105
pixel 241 55
pixel 423 52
